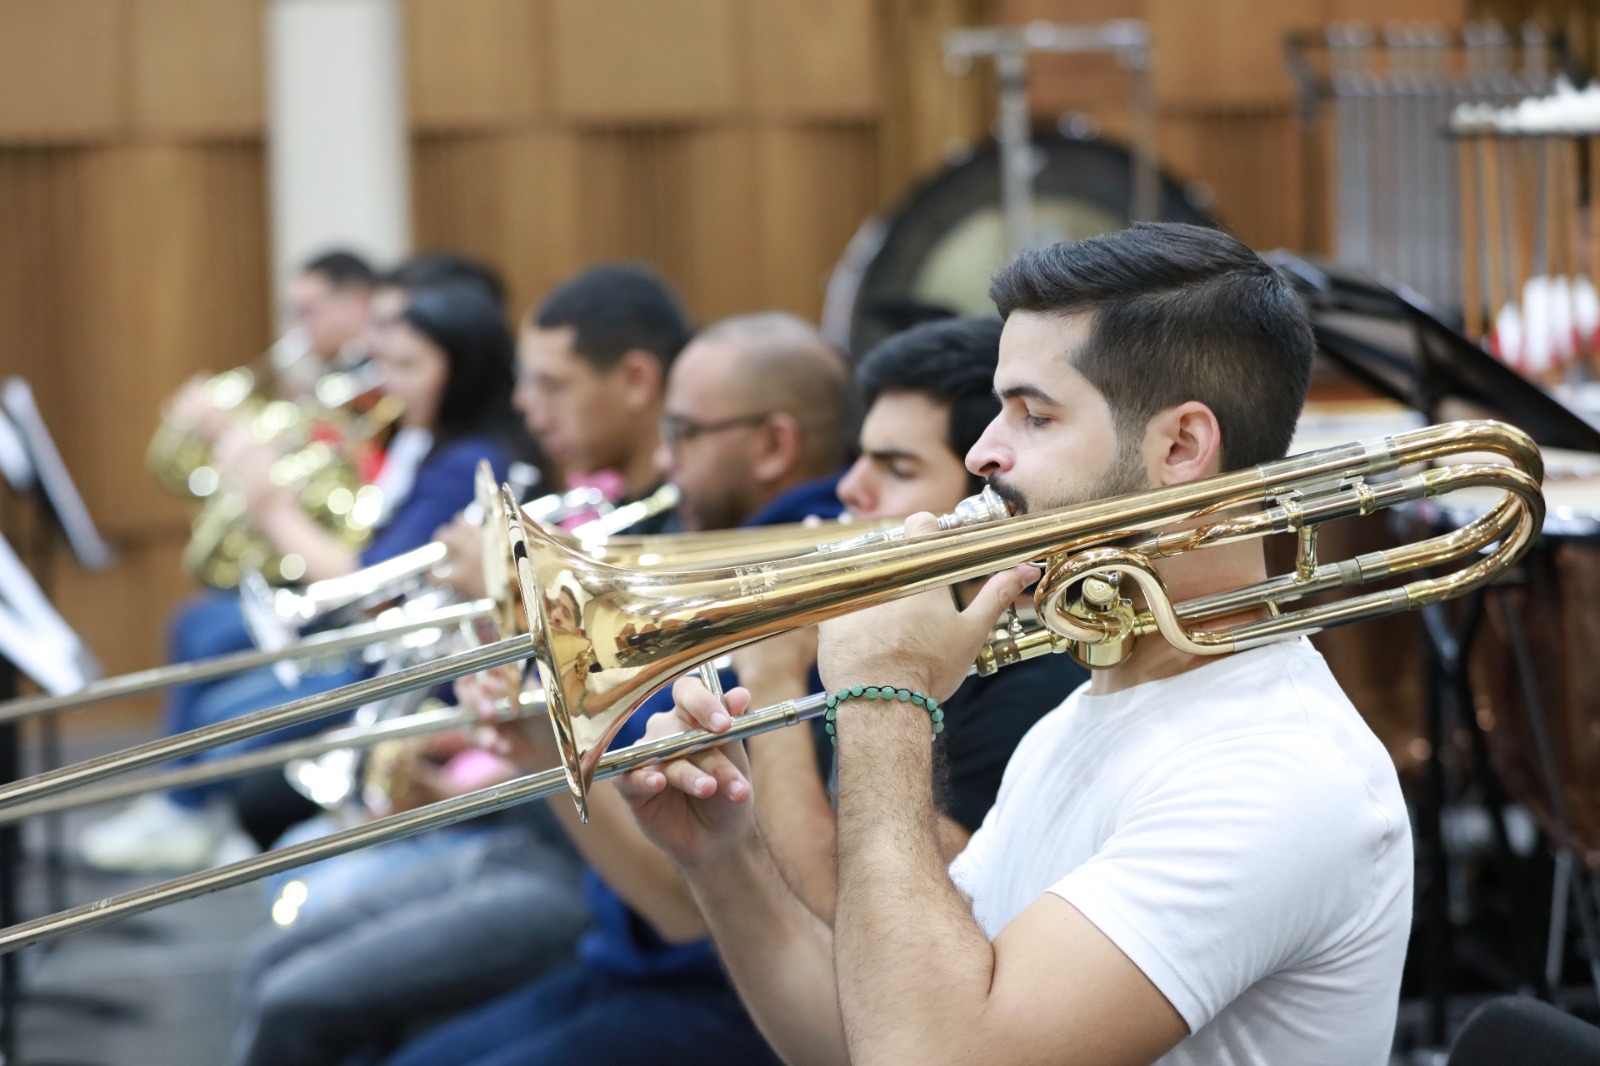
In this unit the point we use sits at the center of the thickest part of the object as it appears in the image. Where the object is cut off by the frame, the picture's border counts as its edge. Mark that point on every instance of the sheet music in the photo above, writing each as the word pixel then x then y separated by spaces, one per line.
pixel 34 636
pixel 14 463
pixel 52 476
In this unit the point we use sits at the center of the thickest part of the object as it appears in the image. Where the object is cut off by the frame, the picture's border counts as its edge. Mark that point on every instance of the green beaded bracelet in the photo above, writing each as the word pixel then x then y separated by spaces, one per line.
pixel 879 692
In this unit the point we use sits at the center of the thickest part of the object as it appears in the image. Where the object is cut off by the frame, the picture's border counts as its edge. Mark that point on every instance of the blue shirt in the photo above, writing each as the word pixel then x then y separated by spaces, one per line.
pixel 621 942
pixel 442 488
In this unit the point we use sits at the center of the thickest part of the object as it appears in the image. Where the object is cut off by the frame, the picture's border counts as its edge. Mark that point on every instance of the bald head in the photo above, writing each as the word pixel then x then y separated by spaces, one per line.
pixel 775 361
pixel 756 405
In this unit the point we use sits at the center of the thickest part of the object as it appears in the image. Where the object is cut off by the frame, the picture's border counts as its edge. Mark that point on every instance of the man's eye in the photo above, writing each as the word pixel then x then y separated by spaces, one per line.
pixel 900 473
pixel 1035 421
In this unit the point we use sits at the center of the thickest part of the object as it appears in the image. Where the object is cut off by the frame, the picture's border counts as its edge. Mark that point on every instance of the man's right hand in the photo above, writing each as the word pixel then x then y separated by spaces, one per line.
pixel 696 808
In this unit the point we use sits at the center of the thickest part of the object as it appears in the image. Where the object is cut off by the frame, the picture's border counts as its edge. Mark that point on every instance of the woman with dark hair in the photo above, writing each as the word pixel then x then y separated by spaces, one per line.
pixel 448 358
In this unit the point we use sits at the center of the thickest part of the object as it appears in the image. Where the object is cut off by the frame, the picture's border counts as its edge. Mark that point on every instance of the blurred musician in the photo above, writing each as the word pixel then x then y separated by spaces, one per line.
pixel 404 932
pixel 755 432
pixel 329 304
pixel 449 358
pixel 1193 860
pixel 592 362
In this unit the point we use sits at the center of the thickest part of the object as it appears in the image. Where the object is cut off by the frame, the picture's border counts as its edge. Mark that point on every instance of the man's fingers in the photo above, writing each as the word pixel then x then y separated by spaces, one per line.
pixel 921 524
pixel 642 784
pixel 705 775
pixel 696 703
pixel 998 593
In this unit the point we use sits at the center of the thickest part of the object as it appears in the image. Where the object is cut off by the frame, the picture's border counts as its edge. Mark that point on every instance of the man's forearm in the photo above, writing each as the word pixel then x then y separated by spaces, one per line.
pixel 635 869
pixel 913 967
pixel 778 953
pixel 798 819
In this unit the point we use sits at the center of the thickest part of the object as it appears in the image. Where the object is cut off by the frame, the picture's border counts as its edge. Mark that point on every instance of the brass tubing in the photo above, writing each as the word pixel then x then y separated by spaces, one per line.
pixel 421 723
pixel 641 628
pixel 143 682
pixel 500 653
pixel 542 785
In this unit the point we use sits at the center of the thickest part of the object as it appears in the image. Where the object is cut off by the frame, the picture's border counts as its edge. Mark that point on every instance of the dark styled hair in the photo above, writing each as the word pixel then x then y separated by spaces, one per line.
pixel 951 362
pixel 344 269
pixel 1180 313
pixel 470 328
pixel 435 268
pixel 615 309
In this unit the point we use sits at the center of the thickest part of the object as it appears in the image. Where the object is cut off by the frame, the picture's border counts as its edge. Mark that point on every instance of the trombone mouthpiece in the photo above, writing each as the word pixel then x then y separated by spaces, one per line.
pixel 986 506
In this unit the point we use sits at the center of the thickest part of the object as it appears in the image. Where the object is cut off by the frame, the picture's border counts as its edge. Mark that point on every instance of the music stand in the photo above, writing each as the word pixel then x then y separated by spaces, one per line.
pixel 44 474
pixel 36 641
pixel 1395 342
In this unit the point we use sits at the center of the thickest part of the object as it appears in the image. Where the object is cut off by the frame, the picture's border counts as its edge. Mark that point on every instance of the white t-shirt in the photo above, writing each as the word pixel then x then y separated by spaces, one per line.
pixel 401 461
pixel 1238 832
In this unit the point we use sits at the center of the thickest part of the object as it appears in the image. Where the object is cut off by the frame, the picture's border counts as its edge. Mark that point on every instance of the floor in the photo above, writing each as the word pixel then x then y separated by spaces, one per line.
pixel 158 989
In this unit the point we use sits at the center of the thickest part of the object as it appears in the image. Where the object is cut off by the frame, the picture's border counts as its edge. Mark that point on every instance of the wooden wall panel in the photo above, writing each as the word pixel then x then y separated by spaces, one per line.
pixel 817 185
pixel 507 198
pixel 817 59
pixel 174 240
pixel 198 66
pixel 1251 162
pixel 472 63
pixel 1381 12
pixel 635 60
pixel 710 243
pixel 1225 52
pixel 123 614
pixel 928 112
pixel 63 69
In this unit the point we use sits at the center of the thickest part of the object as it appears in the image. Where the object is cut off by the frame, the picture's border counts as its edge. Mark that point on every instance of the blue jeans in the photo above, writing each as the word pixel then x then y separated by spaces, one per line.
pixel 577 1015
pixel 204 626
pixel 465 915
pixel 242 694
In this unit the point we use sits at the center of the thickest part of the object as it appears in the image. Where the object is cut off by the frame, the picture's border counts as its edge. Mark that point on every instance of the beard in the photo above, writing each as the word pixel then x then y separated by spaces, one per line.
pixel 1125 475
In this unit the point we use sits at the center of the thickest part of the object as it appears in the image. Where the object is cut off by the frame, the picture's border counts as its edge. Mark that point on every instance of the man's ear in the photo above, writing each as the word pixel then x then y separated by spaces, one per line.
pixel 1183 443
pixel 779 446
pixel 637 379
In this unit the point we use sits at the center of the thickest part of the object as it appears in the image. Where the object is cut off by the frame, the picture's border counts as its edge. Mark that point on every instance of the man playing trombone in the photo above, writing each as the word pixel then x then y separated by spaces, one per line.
pixel 1192 860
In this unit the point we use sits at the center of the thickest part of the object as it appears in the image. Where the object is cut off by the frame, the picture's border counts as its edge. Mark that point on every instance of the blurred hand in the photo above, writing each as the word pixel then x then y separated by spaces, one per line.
pixel 525 743
pixel 463 563
pixel 697 808
pixel 246 467
pixel 191 410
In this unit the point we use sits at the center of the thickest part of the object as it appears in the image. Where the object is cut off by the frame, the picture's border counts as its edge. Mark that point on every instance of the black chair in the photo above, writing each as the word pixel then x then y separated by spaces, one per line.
pixel 1516 1031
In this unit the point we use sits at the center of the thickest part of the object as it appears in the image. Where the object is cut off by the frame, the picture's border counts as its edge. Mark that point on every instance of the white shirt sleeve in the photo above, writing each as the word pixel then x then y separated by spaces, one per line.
pixel 1231 860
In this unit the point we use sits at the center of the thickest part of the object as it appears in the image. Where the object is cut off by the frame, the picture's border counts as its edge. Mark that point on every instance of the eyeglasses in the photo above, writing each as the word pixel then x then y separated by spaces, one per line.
pixel 678 429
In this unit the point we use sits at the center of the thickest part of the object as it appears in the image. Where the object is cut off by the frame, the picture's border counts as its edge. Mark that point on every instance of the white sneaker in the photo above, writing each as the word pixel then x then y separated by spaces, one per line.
pixel 152 834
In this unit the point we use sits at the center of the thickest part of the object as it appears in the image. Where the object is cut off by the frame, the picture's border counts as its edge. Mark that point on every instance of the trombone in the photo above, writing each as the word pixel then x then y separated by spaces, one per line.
pixel 1015 645
pixel 634 629
pixel 432 717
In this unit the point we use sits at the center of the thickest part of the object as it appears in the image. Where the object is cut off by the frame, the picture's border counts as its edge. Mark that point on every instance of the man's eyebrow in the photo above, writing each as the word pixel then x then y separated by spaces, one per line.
pixel 1025 392
pixel 890 455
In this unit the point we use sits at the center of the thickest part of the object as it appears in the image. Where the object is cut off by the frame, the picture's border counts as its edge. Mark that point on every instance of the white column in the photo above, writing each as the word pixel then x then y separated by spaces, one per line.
pixel 338 153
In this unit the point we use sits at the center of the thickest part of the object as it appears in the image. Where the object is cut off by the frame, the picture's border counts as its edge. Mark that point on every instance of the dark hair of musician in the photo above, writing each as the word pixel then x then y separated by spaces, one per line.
pixel 436 268
pixel 343 269
pixel 1180 313
pixel 470 328
pixel 951 362
pixel 615 309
